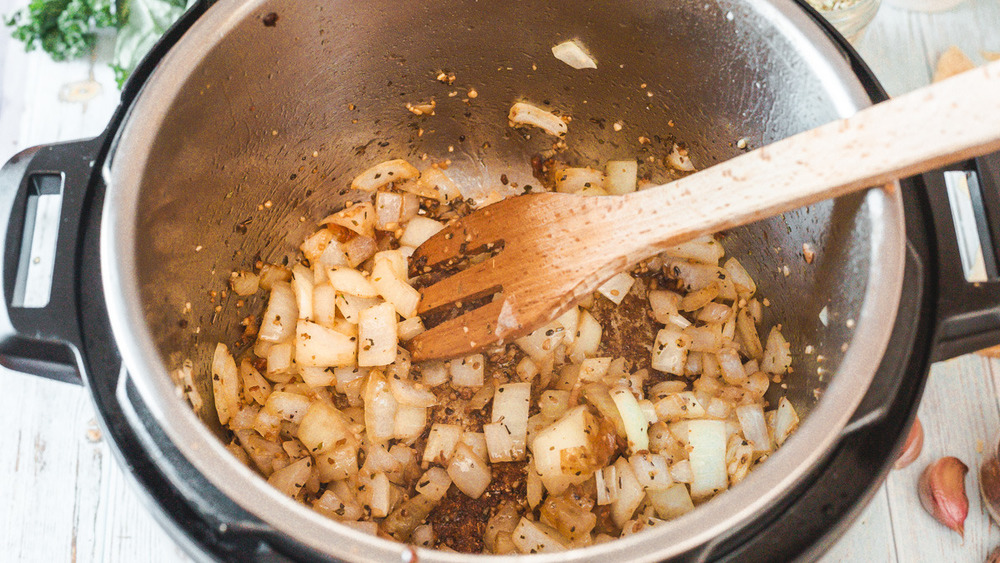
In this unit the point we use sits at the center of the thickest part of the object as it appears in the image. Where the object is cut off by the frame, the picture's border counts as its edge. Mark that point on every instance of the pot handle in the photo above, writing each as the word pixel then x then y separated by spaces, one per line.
pixel 43 194
pixel 965 206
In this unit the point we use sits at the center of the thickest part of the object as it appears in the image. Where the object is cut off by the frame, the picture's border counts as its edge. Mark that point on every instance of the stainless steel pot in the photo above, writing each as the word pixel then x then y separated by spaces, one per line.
pixel 271 101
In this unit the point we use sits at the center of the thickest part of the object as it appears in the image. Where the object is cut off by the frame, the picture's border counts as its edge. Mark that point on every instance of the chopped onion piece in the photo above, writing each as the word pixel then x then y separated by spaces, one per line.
pixel 679 160
pixel 594 369
pixel 629 493
pixel 389 278
pixel 244 283
pixel 523 113
pixel 467 371
pixel 535 537
pixel 359 249
pixel 278 323
pixel 616 288
pixel 225 384
pixel 681 405
pixel 316 345
pixel 409 423
pixel 572 53
pixel 605 480
pixel 704 249
pixel 433 374
pixel 317 376
pixel 380 408
pixel 707 439
pixel 323 427
pixel 379 490
pixel 351 282
pixel 636 425
pixel 359 218
pixel 651 470
pixel 331 505
pixel 664 306
pixel 573 180
pixel 350 306
pixel 291 478
pixel 620 176
pixel 408 392
pixel 468 471
pixel 510 408
pixel 434 484
pixel 377 338
pixel 441 442
pixel 410 328
pixel 745 285
pixel 671 502
pixel 418 230
pixel 302 287
pixel 541 343
pixel 324 305
pixel 777 357
pixel 754 427
pixel 588 337
pixel 383 174
pixel 786 420
pixel 434 184
pixel 670 351
pixel 731 367
pixel 526 369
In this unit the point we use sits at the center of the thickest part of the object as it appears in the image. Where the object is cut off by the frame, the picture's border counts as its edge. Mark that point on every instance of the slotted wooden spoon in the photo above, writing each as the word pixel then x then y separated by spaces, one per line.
pixel 559 248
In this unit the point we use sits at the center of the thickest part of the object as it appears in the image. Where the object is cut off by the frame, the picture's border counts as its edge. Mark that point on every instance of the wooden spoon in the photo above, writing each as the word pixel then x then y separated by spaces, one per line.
pixel 555 249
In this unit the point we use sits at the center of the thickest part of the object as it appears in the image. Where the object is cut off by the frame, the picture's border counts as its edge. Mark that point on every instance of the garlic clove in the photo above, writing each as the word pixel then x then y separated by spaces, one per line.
pixel 942 492
pixel 911 449
pixel 989 486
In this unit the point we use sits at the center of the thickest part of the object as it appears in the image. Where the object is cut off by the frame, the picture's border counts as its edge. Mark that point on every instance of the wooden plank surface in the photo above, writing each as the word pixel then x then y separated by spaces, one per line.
pixel 63 497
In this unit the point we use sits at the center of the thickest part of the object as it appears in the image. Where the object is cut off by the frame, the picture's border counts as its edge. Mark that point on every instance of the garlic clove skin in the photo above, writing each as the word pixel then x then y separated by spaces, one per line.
pixel 914 444
pixel 994 557
pixel 942 492
pixel 989 487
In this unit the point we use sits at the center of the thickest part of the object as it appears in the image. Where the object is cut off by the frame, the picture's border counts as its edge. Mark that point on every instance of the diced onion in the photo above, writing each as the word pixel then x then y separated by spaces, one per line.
pixel 616 288
pixel 441 442
pixel 377 338
pixel 468 471
pixel 670 351
pixel 278 323
pixel 671 502
pixel 572 180
pixel 418 230
pixel 707 439
pixel 571 53
pixel 535 537
pixel 620 176
pixel 316 345
pixel 359 218
pixel 777 357
pixel 523 113
pixel 785 421
pixel 467 371
pixel 244 283
pixel 636 425
pixel 383 174
pixel 225 384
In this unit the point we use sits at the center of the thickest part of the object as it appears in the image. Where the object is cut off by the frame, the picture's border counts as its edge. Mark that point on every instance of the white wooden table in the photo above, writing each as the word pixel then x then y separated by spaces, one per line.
pixel 63 497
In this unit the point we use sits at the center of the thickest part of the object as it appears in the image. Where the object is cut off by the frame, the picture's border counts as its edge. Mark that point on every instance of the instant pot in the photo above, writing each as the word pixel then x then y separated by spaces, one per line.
pixel 246 122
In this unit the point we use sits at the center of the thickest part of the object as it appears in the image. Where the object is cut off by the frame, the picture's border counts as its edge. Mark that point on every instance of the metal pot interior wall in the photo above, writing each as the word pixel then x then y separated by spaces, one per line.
pixel 266 131
pixel 278 118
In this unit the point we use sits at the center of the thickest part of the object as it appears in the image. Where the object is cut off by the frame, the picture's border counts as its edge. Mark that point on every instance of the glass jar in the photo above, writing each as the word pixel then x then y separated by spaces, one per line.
pixel 850 17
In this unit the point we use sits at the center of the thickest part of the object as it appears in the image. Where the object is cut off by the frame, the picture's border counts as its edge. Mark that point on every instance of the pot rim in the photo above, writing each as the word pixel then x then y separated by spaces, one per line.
pixel 711 523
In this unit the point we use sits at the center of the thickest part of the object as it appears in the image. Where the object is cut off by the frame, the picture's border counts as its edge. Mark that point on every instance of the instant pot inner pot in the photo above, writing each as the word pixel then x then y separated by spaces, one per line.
pixel 271 127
